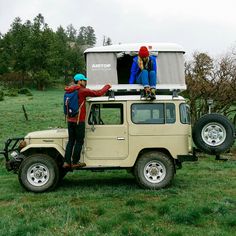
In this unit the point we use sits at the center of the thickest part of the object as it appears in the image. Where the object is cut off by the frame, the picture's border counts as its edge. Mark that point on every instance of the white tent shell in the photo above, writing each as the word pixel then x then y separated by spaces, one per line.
pixel 111 64
pixel 134 47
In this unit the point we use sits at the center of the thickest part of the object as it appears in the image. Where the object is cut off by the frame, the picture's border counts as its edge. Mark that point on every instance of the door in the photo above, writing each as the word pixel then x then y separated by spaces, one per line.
pixel 106 132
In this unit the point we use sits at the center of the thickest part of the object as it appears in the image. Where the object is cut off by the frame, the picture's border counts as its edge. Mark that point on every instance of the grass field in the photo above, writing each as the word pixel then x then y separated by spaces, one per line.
pixel 200 201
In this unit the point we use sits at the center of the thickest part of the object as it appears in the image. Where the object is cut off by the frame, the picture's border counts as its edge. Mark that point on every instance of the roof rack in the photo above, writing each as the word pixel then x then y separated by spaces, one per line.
pixel 136 89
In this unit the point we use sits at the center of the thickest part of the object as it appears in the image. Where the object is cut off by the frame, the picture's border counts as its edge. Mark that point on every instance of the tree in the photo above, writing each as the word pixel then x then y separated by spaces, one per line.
pixel 61 48
pixel 106 41
pixel 209 79
pixel 15 53
pixel 32 49
pixel 41 55
pixel 74 61
pixel 4 57
pixel 42 79
pixel 86 36
pixel 71 33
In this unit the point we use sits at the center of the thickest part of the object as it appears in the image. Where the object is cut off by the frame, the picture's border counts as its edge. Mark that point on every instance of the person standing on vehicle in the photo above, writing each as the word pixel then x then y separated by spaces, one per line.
pixel 143 71
pixel 76 125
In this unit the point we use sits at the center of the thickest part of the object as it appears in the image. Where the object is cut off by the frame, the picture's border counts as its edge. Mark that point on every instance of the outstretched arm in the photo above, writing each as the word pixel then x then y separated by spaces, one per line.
pixel 96 93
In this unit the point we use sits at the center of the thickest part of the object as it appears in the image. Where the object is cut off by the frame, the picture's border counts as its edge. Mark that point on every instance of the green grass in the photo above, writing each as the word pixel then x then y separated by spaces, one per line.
pixel 200 201
pixel 44 110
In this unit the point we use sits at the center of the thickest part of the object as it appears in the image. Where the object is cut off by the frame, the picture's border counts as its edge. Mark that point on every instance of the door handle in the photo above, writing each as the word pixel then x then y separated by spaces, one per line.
pixel 120 138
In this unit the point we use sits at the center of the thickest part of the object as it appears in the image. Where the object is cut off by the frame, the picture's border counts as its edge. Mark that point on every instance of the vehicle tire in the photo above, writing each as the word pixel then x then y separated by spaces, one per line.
pixel 154 170
pixel 213 134
pixel 38 173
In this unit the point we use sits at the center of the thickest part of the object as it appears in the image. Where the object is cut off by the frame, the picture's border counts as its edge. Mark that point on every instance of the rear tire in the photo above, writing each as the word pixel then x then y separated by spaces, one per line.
pixel 154 170
pixel 38 173
pixel 213 134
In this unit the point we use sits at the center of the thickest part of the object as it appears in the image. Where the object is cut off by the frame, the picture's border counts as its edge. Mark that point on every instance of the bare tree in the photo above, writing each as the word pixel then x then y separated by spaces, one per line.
pixel 209 79
pixel 106 41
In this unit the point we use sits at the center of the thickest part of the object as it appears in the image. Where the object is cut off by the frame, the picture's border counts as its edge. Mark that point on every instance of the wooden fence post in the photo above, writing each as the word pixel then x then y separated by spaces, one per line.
pixel 26 116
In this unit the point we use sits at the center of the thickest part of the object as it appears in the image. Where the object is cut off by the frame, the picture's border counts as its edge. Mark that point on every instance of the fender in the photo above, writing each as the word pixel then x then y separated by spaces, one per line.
pixel 34 146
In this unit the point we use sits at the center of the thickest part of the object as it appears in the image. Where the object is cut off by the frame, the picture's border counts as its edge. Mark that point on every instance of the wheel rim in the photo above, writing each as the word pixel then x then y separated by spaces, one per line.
pixel 38 174
pixel 154 172
pixel 213 134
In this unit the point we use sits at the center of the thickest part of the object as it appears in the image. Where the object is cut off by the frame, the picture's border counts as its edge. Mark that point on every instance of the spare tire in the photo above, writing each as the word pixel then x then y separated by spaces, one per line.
pixel 213 133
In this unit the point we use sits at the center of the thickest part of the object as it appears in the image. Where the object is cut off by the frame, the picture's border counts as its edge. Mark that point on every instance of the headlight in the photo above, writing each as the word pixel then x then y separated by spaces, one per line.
pixel 14 154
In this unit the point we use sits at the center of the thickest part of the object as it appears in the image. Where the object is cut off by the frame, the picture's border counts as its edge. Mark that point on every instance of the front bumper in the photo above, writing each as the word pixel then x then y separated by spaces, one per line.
pixel 12 146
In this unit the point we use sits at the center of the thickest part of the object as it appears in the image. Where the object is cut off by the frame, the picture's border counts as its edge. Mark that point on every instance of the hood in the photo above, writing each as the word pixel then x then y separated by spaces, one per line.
pixel 44 134
pixel 72 88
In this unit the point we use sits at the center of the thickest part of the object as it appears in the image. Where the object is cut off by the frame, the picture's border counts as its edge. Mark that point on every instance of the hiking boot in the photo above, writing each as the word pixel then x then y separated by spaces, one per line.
pixel 147 92
pixel 66 165
pixel 153 94
pixel 78 165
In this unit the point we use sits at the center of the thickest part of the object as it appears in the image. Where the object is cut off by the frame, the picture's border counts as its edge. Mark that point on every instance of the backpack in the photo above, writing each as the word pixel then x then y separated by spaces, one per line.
pixel 71 103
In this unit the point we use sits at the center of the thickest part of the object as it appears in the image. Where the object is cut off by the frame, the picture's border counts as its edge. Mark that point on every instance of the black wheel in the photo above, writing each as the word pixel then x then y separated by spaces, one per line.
pixel 154 170
pixel 38 173
pixel 213 133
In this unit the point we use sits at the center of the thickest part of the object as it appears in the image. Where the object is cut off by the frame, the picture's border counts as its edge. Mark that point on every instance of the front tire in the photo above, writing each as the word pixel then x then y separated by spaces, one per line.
pixel 38 173
pixel 154 170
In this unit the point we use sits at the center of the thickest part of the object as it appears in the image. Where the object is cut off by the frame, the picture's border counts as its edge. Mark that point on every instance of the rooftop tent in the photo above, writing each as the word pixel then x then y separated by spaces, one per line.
pixel 111 64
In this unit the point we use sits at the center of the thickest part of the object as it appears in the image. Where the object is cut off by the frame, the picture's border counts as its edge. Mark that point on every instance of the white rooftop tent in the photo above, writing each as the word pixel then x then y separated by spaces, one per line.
pixel 112 64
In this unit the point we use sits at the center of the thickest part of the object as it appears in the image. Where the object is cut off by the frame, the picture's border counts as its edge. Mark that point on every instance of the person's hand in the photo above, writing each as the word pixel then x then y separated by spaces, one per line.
pixel 108 85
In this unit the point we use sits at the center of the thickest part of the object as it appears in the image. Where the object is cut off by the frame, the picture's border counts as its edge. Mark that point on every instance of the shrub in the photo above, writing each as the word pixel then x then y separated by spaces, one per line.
pixel 25 91
pixel 12 93
pixel 42 79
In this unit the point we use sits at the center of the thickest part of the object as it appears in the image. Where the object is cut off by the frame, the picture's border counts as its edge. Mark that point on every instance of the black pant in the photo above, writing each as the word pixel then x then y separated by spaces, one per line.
pixel 75 143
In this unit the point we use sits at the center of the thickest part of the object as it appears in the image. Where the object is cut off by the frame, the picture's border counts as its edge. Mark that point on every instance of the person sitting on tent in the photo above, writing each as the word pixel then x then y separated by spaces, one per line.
pixel 143 71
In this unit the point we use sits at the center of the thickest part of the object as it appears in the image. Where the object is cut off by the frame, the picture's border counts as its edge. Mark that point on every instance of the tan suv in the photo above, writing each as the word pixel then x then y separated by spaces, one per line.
pixel 150 139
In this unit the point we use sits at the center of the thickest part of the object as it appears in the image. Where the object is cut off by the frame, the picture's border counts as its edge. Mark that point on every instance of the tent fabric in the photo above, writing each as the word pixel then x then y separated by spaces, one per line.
pixel 170 68
pixel 102 67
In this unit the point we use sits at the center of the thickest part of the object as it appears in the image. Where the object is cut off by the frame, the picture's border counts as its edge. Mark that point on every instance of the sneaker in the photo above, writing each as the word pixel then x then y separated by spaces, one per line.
pixel 78 165
pixel 66 165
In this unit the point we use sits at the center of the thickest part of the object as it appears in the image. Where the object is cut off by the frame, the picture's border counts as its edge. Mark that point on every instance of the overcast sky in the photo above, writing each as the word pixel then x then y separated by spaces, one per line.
pixel 198 25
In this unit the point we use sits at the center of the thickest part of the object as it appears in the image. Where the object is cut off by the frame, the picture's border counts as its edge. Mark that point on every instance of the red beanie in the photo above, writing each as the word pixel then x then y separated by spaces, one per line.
pixel 143 52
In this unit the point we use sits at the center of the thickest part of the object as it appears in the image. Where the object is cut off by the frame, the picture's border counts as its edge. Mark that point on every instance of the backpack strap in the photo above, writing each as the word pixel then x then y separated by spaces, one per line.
pixel 66 104
pixel 79 112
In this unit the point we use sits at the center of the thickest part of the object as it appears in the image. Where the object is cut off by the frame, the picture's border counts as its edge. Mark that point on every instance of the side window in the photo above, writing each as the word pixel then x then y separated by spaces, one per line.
pixel 148 113
pixel 170 113
pixel 158 113
pixel 106 114
pixel 184 113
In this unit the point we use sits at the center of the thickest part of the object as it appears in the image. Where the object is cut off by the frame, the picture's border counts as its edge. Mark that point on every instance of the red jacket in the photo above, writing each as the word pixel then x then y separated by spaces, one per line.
pixel 82 94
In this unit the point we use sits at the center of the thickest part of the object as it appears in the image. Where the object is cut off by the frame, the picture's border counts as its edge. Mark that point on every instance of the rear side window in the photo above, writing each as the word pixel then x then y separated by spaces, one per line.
pixel 170 113
pixel 184 113
pixel 158 113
